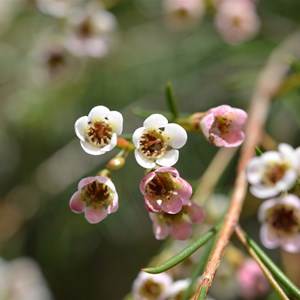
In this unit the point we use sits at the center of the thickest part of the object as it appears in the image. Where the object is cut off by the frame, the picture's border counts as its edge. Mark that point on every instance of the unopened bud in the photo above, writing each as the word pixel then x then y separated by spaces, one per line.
pixel 116 163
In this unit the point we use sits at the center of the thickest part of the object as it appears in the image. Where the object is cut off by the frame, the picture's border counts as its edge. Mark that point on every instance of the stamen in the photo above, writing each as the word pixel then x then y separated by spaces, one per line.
pixel 99 133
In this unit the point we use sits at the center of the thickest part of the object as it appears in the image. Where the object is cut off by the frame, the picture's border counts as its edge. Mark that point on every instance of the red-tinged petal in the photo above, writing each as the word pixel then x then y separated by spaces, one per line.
pixel 181 230
pixel 172 206
pixel 160 229
pixel 152 205
pixel 268 240
pixel 94 216
pixel 184 190
pixel 196 213
pixel 76 204
pixel 85 181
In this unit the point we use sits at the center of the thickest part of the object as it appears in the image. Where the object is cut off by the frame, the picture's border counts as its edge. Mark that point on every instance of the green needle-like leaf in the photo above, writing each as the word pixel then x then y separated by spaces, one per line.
pixel 183 254
pixel 171 100
pixel 258 151
pixel 277 273
pixel 202 295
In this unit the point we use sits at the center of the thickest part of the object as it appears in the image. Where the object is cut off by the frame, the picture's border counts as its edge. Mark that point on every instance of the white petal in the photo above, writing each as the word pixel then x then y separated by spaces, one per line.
pixel 142 161
pixel 288 180
pixel 264 192
pixel 91 149
pixel 99 113
pixel 254 170
pixel 80 127
pixel 289 154
pixel 169 159
pixel 177 135
pixel 264 207
pixel 292 245
pixel 155 121
pixel 137 135
pixel 112 144
pixel 116 121
pixel 271 156
pixel 268 240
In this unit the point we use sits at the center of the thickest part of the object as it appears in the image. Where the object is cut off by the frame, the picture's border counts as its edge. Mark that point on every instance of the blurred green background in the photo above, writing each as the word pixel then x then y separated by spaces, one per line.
pixel 41 160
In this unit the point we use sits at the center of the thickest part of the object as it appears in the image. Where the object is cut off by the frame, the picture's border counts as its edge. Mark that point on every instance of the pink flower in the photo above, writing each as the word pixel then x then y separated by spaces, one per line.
pixel 280 219
pixel 151 286
pixel 165 224
pixel 237 21
pixel 165 191
pixel 223 126
pixel 252 280
pixel 96 197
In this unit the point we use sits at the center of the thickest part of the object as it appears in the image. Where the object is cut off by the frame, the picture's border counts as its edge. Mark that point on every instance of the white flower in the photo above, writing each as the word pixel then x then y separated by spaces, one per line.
pixel 177 288
pixel 158 141
pixel 273 172
pixel 151 286
pixel 56 8
pixel 98 131
pixel 90 31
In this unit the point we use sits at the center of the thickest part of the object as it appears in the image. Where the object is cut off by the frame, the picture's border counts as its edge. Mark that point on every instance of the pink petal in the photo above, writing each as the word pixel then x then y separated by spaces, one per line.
pixel 184 190
pixel 196 213
pixel 114 206
pixel 145 181
pixel 152 205
pixel 181 230
pixel 76 204
pixel 161 229
pixel 94 216
pixel 172 206
pixel 85 181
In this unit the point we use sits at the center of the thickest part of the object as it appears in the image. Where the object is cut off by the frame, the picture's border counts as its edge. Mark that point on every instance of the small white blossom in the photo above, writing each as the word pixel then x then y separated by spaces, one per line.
pixel 177 289
pixel 157 142
pixel 99 130
pixel 90 31
pixel 151 286
pixel 273 172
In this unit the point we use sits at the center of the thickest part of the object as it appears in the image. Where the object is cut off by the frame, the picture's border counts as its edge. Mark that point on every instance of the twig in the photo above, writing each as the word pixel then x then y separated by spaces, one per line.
pixel 241 236
pixel 268 83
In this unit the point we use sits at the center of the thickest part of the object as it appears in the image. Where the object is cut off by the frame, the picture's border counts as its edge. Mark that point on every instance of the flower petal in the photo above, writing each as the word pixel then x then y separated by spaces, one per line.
pixel 264 207
pixel 116 122
pixel 292 244
pixel 91 149
pixel 184 190
pixel 137 135
pixel 85 181
pixel 254 170
pixel 112 144
pixel 114 206
pixel 268 240
pixel 80 127
pixel 172 206
pixel 206 124
pixel 142 161
pixel 169 159
pixel 160 229
pixel 94 216
pixel 76 204
pixel 263 192
pixel 177 135
pixel 152 205
pixel 196 213
pixel 181 230
pixel 99 113
pixel 155 121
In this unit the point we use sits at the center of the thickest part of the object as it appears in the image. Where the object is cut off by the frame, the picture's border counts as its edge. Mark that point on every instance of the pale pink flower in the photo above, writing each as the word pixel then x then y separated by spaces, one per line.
pixel 96 198
pixel 237 21
pixel 90 31
pixel 183 13
pixel 151 286
pixel 99 130
pixel 178 225
pixel 165 191
pixel 280 219
pixel 252 280
pixel 273 171
pixel 157 142
pixel 223 126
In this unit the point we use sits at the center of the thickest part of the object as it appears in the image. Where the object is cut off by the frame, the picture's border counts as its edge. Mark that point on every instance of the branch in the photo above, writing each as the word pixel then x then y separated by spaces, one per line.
pixel 268 83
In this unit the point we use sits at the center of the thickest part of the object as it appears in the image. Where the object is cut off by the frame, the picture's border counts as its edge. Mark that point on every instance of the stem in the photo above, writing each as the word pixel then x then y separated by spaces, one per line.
pixel 268 83
pixel 243 239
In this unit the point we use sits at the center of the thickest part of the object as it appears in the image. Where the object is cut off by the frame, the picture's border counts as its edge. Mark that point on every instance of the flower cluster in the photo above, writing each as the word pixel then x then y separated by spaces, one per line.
pixel 236 20
pixel 156 145
pixel 272 176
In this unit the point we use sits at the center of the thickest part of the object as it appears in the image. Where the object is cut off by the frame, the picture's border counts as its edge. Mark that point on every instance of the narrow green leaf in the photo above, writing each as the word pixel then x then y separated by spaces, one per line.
pixel 258 151
pixel 183 254
pixel 202 295
pixel 171 100
pixel 276 272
